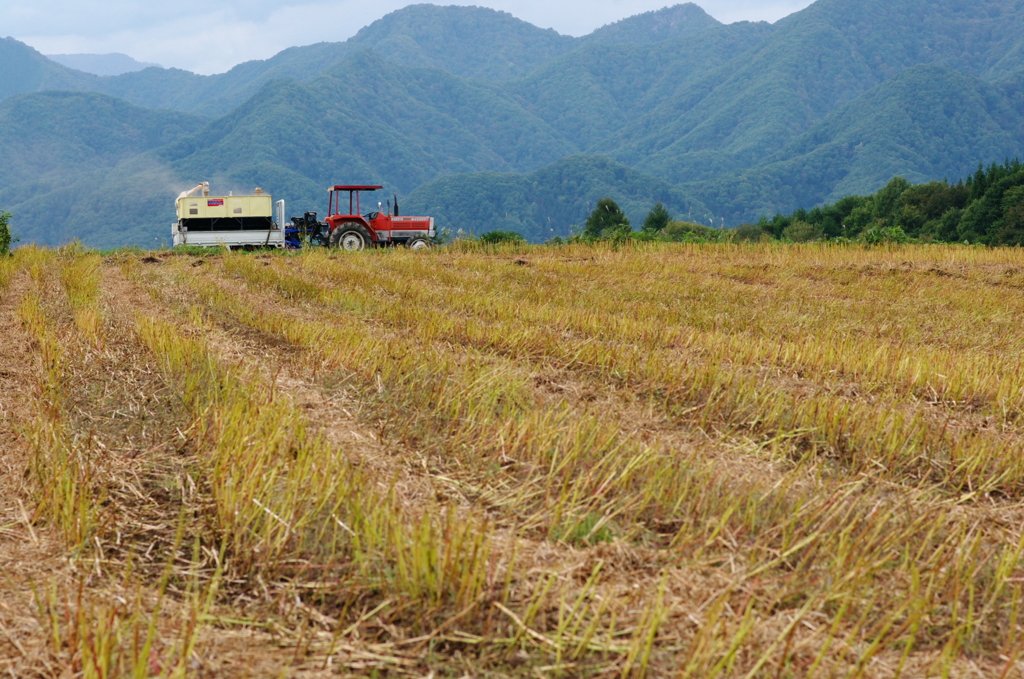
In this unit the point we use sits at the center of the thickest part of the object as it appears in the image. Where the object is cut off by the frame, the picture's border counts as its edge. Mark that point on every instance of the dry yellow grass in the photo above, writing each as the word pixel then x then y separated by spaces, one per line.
pixel 661 460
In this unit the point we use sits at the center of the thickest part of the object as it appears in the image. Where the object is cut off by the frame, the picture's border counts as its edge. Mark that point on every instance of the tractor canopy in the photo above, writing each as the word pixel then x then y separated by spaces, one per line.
pixel 334 204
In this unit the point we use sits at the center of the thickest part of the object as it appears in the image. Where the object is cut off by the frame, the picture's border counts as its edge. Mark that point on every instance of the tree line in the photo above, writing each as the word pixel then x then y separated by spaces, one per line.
pixel 986 208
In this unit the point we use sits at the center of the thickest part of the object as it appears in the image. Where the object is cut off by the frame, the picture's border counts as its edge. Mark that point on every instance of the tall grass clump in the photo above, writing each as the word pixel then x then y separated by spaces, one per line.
pixel 135 630
pixel 67 481
pixel 80 277
pixel 8 267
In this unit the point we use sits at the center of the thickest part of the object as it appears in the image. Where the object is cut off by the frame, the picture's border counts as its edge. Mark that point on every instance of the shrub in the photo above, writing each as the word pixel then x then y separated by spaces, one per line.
pixel 688 232
pixel 879 233
pixel 493 237
pixel 750 233
pixel 802 232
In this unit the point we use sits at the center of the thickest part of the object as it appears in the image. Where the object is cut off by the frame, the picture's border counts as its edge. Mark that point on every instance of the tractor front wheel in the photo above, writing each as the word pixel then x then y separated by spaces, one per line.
pixel 418 244
pixel 349 237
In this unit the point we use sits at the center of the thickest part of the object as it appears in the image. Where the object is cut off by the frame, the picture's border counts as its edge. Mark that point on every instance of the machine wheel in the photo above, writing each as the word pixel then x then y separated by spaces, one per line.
pixel 418 244
pixel 350 237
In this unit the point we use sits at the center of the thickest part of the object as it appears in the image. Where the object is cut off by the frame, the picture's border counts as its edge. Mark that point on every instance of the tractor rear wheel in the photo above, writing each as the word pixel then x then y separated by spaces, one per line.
pixel 350 237
pixel 418 244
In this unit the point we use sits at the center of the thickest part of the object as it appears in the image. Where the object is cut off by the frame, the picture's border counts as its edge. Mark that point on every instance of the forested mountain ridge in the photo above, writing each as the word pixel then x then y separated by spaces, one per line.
pixel 436 124
pixel 663 24
pixel 23 69
pixel 737 120
pixel 470 42
pixel 65 132
pixel 928 122
pixel 816 60
pixel 598 89
pixel 76 165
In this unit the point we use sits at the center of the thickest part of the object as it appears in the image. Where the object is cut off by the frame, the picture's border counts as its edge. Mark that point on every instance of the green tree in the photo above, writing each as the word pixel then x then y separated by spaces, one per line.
pixel 1011 230
pixel 657 219
pixel 6 239
pixel 887 201
pixel 607 221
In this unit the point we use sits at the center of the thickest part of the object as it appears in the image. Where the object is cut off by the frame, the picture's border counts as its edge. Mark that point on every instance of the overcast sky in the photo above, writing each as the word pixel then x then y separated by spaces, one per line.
pixel 212 36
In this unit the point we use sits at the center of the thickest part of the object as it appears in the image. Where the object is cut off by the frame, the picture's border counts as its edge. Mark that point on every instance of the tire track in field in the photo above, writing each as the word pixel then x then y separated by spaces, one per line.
pixel 28 554
pixel 230 650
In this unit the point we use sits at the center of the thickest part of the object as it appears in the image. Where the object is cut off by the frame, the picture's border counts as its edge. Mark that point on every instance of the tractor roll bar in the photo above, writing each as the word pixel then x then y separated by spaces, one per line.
pixel 334 202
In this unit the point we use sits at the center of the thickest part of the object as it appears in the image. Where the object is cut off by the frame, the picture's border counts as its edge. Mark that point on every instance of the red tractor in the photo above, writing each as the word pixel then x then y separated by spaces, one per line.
pixel 353 231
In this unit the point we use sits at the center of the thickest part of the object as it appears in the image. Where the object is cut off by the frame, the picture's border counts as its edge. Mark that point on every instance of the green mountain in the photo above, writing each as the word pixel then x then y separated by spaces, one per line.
pixel 928 122
pixel 546 203
pixel 435 124
pixel 814 62
pixel 45 133
pixel 294 139
pixel 663 24
pixel 470 42
pixel 596 90
pixel 466 41
pixel 65 148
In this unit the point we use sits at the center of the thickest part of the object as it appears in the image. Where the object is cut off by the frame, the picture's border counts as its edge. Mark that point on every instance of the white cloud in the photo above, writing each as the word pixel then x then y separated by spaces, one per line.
pixel 212 37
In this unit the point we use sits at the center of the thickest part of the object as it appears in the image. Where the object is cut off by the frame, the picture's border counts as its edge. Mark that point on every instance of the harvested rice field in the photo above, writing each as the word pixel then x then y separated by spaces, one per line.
pixel 578 461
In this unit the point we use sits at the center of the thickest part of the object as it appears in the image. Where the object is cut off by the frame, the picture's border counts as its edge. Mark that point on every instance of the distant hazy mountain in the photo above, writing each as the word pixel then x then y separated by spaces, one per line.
pixel 102 64
pixel 23 69
pixel 487 121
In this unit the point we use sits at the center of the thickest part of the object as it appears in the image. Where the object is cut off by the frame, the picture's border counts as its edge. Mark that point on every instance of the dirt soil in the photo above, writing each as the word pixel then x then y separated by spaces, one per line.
pixel 30 555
